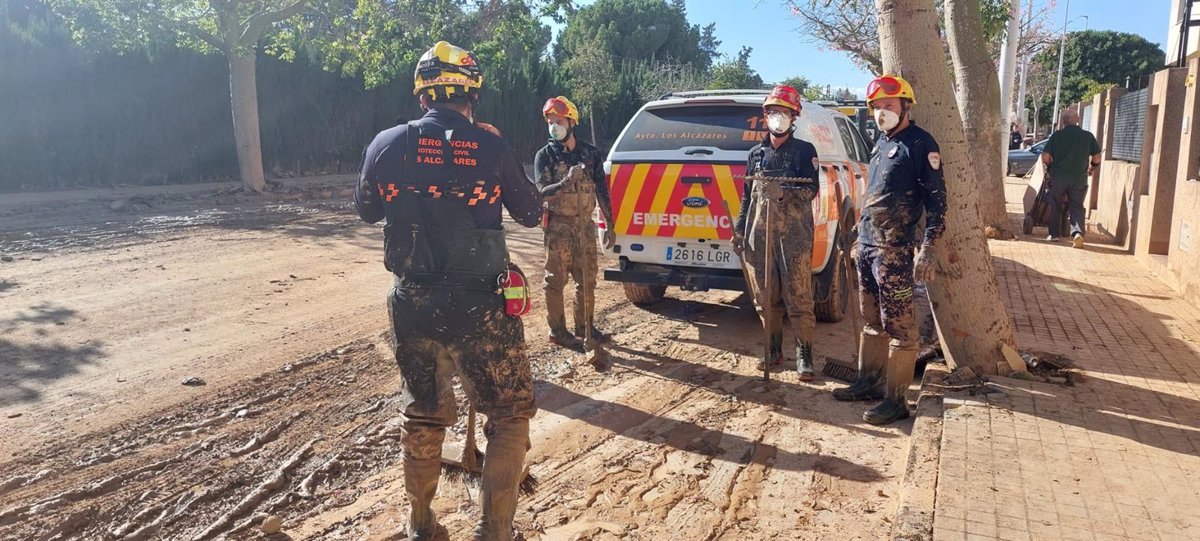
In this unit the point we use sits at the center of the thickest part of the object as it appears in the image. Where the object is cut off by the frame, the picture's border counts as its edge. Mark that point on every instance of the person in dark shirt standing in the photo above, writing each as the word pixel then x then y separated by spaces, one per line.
pixel 440 183
pixel 781 154
pixel 905 181
pixel 1070 156
pixel 570 175
pixel 1014 137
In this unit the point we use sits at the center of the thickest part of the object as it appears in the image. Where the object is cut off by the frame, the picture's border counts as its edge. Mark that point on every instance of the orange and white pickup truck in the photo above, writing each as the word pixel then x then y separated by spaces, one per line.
pixel 674 175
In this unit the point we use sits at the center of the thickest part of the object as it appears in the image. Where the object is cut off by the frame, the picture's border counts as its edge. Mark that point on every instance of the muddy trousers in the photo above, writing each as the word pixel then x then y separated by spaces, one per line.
pixel 570 254
pixel 792 278
pixel 440 333
pixel 889 334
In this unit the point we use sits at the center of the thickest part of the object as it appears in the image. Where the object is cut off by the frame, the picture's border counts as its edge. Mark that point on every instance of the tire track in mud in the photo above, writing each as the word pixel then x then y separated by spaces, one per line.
pixel 674 441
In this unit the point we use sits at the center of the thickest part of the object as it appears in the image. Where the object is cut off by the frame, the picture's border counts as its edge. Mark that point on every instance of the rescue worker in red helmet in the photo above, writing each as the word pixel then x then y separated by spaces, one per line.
pixel 781 154
pixel 440 183
pixel 904 183
pixel 570 175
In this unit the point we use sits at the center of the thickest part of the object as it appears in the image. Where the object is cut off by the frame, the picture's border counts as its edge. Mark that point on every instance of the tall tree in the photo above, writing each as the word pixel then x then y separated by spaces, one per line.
pixel 593 80
pixel 632 30
pixel 1101 56
pixel 971 318
pixel 850 26
pixel 735 73
pixel 979 101
pixel 230 27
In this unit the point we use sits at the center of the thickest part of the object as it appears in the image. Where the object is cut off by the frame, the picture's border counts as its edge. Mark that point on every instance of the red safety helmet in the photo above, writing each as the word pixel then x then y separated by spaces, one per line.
pixel 785 96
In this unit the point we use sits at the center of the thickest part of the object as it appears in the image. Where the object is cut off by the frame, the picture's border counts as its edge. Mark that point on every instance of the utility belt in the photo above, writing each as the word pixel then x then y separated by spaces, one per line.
pixel 511 284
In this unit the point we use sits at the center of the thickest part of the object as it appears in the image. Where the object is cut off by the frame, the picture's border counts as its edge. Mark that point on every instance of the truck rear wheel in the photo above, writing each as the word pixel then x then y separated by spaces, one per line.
pixel 644 295
pixel 834 280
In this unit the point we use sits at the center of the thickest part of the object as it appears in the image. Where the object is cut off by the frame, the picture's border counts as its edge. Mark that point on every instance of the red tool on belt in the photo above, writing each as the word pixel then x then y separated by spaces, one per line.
pixel 517 299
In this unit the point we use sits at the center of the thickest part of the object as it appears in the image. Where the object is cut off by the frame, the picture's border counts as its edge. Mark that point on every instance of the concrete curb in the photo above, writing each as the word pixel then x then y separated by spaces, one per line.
pixel 914 513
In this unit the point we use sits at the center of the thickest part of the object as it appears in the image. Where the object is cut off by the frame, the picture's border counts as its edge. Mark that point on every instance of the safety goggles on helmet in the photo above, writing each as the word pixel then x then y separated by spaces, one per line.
pixel 555 107
pixel 889 86
pixel 561 106
pixel 433 67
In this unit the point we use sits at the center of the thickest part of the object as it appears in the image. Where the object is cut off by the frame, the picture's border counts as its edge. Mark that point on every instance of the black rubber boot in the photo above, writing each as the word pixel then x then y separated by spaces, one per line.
pixel 887 412
pixel 566 340
pixel 804 361
pixel 864 388
pixel 899 376
pixel 597 334
pixel 872 357
pixel 776 350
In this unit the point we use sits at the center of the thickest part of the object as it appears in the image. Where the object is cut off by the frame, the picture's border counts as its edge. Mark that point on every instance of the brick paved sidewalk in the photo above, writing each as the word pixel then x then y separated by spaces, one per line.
pixel 1116 457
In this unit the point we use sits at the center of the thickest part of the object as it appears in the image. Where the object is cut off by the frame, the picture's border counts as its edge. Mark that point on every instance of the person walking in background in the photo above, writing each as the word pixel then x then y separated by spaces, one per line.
pixel 1014 137
pixel 1070 157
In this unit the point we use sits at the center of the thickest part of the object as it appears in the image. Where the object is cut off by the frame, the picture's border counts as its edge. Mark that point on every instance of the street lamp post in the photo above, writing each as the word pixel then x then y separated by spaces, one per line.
pixel 1062 45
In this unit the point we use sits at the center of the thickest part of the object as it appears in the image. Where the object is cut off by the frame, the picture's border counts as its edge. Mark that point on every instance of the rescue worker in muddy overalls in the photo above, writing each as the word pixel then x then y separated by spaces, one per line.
pixel 440 182
pixel 905 181
pixel 781 154
pixel 570 175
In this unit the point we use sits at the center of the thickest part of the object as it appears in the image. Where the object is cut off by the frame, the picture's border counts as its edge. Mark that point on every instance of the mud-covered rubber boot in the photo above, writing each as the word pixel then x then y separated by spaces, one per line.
pixel 804 362
pixel 894 407
pixel 567 340
pixel 597 334
pixel 556 319
pixel 503 469
pixel 776 353
pixel 421 482
pixel 872 354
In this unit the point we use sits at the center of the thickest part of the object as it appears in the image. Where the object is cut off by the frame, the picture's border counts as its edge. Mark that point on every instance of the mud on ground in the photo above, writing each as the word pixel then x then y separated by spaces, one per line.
pixel 278 307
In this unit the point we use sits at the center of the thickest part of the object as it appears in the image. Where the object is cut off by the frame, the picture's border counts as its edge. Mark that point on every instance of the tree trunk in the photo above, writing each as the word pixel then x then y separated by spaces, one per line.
pixel 979 101
pixel 971 317
pixel 592 121
pixel 243 91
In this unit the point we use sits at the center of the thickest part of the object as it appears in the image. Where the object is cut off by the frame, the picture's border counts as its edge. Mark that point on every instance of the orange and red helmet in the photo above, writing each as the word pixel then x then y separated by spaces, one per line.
pixel 561 106
pixel 889 86
pixel 785 96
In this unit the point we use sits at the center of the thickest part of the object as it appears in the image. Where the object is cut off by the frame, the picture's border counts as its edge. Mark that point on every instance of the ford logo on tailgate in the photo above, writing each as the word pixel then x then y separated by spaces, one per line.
pixel 695 202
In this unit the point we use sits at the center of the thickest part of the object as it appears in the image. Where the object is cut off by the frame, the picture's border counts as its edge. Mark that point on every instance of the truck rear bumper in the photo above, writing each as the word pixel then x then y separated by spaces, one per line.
pixel 686 278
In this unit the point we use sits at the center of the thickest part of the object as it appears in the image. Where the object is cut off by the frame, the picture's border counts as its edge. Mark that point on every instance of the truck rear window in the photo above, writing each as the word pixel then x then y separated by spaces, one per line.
pixel 727 127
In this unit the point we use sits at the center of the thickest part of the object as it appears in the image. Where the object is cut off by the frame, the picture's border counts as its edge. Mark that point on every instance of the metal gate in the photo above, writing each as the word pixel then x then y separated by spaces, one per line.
pixel 1129 125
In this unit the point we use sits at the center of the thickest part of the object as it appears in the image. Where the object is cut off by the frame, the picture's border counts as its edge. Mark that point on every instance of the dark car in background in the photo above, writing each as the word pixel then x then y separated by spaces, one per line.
pixel 1021 161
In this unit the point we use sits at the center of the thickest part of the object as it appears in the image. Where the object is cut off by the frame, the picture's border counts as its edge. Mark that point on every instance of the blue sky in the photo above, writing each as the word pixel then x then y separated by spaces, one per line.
pixel 781 52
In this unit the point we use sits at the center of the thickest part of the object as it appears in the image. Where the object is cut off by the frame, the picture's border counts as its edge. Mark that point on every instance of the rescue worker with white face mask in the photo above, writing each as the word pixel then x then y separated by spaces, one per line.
pixel 781 154
pixel 570 175
pixel 904 182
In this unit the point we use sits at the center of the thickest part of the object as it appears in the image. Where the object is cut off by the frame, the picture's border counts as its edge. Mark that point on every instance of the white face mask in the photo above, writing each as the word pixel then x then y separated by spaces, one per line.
pixel 558 132
pixel 886 120
pixel 779 123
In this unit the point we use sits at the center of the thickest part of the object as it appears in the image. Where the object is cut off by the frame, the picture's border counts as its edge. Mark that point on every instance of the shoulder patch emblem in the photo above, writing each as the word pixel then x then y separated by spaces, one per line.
pixel 816 164
pixel 935 160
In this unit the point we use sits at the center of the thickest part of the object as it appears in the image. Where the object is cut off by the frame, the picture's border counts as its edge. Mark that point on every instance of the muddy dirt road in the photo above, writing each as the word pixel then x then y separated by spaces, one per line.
pixel 278 307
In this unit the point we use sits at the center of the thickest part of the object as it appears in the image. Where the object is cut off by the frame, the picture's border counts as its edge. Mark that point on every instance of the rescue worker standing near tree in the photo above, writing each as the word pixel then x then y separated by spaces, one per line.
pixel 905 180
pixel 781 154
pixel 570 175
pixel 440 182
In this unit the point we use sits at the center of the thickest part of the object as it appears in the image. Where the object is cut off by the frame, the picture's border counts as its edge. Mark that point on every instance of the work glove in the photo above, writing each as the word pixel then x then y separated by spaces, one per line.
pixel 610 239
pixel 772 191
pixel 926 264
pixel 737 242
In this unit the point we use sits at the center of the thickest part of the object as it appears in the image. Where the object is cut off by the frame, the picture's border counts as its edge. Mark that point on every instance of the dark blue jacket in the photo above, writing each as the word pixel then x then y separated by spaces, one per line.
pixel 466 162
pixel 905 180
